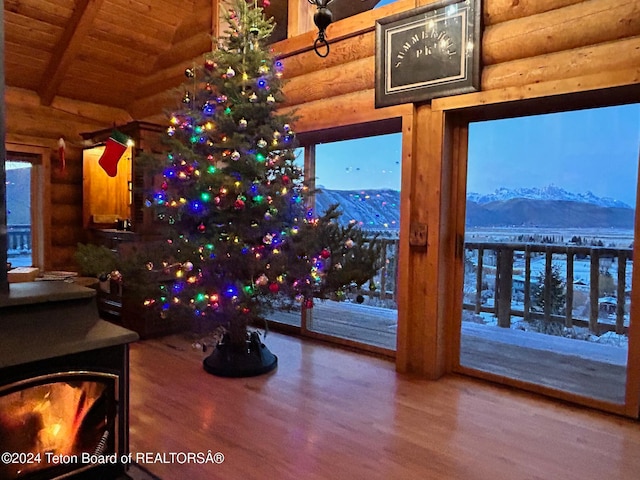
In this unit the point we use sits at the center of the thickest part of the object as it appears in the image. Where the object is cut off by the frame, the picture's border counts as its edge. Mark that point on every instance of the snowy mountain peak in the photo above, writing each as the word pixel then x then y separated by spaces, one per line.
pixel 550 192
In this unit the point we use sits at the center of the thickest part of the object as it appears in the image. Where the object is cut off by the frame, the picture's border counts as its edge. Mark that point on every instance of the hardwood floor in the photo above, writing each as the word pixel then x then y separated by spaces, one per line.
pixel 589 369
pixel 328 413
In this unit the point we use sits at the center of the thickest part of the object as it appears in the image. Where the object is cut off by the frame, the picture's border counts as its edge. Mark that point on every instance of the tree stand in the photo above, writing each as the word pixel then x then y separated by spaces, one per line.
pixel 227 360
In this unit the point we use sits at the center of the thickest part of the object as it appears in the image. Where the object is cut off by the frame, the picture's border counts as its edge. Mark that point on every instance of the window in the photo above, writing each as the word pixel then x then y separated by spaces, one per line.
pixel 19 251
pixel 28 206
pixel 362 175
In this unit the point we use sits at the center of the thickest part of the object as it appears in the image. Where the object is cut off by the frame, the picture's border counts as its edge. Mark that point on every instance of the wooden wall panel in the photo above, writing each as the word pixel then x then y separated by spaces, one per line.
pixel 63 256
pixel 566 64
pixel 67 236
pixel 66 194
pixel 591 23
pixel 349 109
pixel 355 48
pixel 63 216
pixel 498 11
pixel 354 76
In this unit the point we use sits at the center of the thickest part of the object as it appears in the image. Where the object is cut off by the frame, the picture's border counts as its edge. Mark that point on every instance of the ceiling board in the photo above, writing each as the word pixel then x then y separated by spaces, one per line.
pixel 125 56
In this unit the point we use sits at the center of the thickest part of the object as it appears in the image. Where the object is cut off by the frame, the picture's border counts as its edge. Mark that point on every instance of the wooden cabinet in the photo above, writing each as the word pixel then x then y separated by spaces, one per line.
pixel 109 201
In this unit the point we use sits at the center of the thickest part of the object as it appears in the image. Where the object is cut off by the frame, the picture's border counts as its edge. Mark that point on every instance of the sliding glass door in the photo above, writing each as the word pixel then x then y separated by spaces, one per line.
pixel 548 252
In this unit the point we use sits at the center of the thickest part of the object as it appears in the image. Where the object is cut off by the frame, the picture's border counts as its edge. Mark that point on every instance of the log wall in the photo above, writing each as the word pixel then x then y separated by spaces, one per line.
pixel 30 124
pixel 531 49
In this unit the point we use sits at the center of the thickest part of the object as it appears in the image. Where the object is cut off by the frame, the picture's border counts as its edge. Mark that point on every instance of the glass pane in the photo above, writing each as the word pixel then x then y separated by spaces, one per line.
pixel 363 177
pixel 289 315
pixel 382 3
pixel 548 249
pixel 19 213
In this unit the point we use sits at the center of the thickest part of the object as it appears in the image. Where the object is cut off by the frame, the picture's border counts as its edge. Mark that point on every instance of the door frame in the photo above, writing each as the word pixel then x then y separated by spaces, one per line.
pixel 40 159
pixel 456 139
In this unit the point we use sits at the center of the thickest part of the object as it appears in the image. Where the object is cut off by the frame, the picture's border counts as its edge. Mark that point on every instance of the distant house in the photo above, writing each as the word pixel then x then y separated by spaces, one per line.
pixel 607 305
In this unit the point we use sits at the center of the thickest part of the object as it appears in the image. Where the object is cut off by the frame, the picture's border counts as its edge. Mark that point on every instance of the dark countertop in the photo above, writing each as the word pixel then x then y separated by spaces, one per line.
pixel 40 320
pixel 29 293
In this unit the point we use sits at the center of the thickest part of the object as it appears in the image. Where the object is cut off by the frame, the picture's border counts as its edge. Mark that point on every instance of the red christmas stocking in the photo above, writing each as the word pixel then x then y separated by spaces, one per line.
pixel 113 151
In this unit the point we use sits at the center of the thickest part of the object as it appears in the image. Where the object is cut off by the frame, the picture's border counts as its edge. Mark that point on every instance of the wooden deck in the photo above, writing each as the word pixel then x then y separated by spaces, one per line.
pixel 579 367
pixel 329 413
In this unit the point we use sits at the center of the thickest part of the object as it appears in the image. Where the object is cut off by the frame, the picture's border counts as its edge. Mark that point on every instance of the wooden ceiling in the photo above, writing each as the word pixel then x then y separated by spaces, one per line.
pixel 110 52
pixel 118 53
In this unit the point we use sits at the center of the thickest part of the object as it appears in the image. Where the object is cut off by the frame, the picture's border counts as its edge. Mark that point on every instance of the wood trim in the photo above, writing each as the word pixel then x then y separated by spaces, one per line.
pixel 215 22
pixel 542 390
pixel 4 281
pixel 310 172
pixel 351 344
pixel 403 344
pixel 460 133
pixel 40 203
pixel 487 106
pixel 632 393
pixel 68 47
pixel 586 83
pixel 421 338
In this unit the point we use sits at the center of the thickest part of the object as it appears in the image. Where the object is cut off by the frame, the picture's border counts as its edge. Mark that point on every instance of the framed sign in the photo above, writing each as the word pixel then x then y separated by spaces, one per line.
pixel 431 51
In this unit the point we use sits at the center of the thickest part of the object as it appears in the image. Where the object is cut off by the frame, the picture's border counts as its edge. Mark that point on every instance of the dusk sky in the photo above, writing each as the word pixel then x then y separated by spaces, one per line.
pixel 587 150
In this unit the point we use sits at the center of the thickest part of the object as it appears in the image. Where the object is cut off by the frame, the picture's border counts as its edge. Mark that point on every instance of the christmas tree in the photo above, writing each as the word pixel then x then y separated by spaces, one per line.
pixel 233 203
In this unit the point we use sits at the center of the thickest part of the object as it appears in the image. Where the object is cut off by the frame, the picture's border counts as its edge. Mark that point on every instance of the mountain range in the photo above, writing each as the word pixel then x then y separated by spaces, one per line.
pixel 550 192
pixel 549 206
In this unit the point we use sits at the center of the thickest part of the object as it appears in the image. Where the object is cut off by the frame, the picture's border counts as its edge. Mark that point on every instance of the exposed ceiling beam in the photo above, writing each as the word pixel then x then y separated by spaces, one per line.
pixel 67 48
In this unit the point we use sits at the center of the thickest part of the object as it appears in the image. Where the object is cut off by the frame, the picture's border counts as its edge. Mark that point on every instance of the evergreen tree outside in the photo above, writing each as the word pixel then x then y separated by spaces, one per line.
pixel 233 204
pixel 557 296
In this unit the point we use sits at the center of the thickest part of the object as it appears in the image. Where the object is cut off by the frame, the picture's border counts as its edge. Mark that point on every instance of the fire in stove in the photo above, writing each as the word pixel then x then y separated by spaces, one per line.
pixel 48 426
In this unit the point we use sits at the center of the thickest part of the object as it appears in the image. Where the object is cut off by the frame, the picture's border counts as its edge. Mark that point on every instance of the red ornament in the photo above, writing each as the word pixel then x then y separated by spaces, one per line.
pixel 265 3
pixel 325 253
pixel 62 147
pixel 285 179
pixel 274 288
pixel 239 204
pixel 201 227
pixel 308 303
pixel 209 65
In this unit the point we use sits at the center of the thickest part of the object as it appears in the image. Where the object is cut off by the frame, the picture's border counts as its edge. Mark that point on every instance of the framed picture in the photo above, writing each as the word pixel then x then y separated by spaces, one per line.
pixel 431 51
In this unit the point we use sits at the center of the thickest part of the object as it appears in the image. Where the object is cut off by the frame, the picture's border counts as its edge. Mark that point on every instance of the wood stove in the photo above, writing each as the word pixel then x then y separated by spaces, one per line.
pixel 63 386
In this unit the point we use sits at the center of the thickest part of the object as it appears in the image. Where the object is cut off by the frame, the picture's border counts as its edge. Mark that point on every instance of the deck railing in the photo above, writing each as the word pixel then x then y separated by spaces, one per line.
pixel 19 237
pixel 501 274
pixel 385 280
